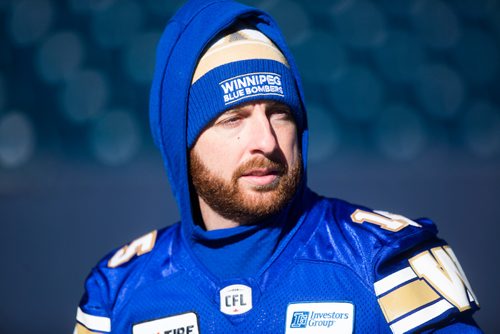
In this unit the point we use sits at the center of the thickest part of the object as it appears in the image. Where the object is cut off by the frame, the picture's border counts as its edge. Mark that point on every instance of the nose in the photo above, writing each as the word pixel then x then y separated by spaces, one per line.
pixel 262 135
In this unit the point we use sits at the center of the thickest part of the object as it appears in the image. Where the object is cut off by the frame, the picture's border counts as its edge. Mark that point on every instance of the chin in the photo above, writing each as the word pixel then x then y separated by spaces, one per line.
pixel 260 198
pixel 263 189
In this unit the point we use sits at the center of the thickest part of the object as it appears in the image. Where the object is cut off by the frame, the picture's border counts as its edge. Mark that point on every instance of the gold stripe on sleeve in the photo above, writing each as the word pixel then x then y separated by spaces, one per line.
pixel 79 329
pixel 406 299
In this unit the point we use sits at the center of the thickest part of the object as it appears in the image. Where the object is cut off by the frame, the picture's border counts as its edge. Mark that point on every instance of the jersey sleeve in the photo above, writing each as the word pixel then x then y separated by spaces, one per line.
pixel 93 314
pixel 462 324
pixel 419 284
pixel 103 287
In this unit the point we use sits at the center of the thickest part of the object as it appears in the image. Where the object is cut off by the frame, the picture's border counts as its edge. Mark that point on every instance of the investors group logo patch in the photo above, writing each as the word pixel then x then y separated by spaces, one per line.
pixel 318 318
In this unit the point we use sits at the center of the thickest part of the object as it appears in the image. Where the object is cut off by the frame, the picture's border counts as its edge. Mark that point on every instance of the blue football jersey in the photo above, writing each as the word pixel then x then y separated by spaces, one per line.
pixel 329 267
pixel 342 269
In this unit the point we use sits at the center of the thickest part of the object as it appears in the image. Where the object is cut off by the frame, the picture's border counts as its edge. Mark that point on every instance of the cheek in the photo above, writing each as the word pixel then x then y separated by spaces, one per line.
pixel 289 145
pixel 217 158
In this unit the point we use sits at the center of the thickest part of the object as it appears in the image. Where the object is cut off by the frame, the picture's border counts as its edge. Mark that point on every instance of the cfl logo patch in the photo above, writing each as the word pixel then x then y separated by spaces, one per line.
pixel 299 319
pixel 236 299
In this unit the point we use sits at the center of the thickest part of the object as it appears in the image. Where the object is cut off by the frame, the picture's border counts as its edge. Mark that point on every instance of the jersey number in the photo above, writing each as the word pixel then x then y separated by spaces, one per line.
pixel 387 221
pixel 137 247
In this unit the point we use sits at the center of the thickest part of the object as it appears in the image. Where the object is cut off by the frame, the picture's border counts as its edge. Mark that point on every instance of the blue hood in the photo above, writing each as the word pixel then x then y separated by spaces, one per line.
pixel 187 34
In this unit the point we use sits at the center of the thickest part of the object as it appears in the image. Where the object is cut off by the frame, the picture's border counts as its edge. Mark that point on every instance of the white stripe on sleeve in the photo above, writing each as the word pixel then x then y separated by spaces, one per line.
pixel 393 280
pixel 93 322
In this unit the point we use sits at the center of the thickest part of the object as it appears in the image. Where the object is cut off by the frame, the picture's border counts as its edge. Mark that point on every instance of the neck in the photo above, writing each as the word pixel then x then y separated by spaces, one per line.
pixel 214 221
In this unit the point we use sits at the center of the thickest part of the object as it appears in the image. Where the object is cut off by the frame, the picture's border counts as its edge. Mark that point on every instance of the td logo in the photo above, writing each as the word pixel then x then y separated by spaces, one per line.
pixel 299 319
pixel 236 299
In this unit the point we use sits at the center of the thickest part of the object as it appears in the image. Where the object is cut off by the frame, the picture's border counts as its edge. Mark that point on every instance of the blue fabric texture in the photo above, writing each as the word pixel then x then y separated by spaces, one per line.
pixel 324 258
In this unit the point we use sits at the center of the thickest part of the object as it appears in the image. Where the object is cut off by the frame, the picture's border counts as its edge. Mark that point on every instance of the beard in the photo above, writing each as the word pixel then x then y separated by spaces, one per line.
pixel 229 200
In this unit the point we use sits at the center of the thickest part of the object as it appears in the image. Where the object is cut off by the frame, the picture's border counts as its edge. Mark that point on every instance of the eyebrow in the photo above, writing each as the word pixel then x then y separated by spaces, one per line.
pixel 270 104
pixel 235 109
pixel 231 111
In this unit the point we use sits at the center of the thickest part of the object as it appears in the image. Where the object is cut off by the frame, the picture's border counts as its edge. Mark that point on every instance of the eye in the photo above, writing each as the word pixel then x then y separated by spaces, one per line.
pixel 281 113
pixel 229 121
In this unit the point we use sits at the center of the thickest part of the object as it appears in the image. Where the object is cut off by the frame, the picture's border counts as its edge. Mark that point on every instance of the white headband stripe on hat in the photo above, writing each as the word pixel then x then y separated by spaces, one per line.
pixel 243 44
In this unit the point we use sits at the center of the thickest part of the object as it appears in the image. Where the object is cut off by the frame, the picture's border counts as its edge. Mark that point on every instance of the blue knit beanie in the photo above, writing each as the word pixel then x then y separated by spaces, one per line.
pixel 241 65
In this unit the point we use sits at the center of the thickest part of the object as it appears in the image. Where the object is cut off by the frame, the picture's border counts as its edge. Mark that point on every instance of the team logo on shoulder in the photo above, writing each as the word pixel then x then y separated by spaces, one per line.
pixel 235 299
pixel 386 220
pixel 186 323
pixel 432 284
pixel 320 318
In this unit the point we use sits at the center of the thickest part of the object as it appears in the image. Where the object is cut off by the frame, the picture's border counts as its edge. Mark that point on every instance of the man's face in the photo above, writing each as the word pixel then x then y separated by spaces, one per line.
pixel 247 164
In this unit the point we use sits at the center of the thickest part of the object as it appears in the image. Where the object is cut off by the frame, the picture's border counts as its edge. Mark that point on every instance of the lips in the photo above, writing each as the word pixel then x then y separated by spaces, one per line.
pixel 261 180
pixel 261 177
pixel 260 172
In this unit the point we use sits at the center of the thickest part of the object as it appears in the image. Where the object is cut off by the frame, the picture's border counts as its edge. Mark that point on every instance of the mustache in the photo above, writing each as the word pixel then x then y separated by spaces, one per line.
pixel 278 167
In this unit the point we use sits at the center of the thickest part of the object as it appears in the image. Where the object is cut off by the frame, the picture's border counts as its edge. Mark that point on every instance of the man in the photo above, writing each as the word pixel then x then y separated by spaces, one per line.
pixel 256 251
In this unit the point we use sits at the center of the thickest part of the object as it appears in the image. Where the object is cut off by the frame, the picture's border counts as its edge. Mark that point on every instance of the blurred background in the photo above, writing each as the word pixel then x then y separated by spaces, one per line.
pixel 404 109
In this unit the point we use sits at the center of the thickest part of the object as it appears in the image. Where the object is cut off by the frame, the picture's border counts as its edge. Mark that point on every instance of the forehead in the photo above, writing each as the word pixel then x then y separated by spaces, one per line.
pixel 244 110
pixel 247 106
